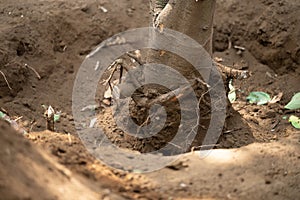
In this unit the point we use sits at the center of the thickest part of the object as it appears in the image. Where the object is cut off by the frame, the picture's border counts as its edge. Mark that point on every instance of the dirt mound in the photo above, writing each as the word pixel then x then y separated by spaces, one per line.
pixel 223 173
pixel 70 152
pixel 25 169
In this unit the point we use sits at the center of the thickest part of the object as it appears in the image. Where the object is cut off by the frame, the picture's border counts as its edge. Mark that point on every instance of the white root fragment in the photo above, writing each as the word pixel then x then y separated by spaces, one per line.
pixel 7 83
pixel 36 73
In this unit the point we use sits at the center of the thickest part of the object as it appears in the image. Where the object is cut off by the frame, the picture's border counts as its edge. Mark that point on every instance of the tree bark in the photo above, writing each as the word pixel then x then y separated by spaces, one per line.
pixel 191 17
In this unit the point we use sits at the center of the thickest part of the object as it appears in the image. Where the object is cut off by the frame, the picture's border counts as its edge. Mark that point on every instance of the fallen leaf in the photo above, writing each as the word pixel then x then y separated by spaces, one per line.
pixel 295 121
pixel 232 93
pixel 56 117
pixel 260 98
pixel 294 104
pixel 277 98
pixel 2 115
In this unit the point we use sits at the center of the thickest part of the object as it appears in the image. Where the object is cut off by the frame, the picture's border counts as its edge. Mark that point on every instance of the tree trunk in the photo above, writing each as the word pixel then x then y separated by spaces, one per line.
pixel 194 19
pixel 191 17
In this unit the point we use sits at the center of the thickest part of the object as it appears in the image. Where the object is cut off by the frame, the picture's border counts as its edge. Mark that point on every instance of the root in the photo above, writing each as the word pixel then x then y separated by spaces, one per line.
pixel 156 7
pixel 7 83
pixel 36 73
pixel 174 94
pixel 233 73
pixel 119 65
pixel 135 57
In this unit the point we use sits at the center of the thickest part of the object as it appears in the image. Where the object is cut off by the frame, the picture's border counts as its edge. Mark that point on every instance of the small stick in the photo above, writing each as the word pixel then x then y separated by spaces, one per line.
pixel 134 57
pixel 275 125
pixel 5 80
pixel 3 110
pixel 36 73
pixel 143 124
pixel 233 73
pixel 31 127
pixel 18 118
pixel 115 68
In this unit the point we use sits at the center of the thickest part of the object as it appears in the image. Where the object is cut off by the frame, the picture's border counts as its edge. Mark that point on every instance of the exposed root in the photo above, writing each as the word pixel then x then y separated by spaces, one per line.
pixel 135 57
pixel 233 73
pixel 31 68
pixel 7 83
pixel 117 64
pixel 174 94
pixel 170 95
pixel 156 7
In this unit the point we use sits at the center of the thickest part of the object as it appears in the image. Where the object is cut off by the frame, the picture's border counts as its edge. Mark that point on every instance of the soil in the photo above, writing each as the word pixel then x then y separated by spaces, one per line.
pixel 257 157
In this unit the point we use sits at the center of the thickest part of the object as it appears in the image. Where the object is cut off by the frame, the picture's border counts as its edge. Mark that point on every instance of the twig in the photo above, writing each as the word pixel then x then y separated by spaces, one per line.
pixel 143 124
pixel 233 73
pixel 275 125
pixel 36 73
pixel 18 118
pixel 115 67
pixel 31 127
pixel 156 6
pixel 233 130
pixel 134 57
pixel 4 111
pixel 5 80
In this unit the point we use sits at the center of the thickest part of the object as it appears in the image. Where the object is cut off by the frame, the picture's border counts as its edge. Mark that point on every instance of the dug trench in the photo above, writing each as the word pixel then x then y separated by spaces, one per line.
pixel 34 33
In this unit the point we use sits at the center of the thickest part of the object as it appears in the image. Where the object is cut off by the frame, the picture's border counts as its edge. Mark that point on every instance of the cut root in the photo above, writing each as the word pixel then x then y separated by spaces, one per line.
pixel 233 73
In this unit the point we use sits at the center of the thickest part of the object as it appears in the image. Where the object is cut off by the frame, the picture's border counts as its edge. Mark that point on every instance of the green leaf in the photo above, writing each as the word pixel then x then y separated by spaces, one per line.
pixel 260 98
pixel 232 93
pixel 295 121
pixel 294 104
pixel 2 115
pixel 56 117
